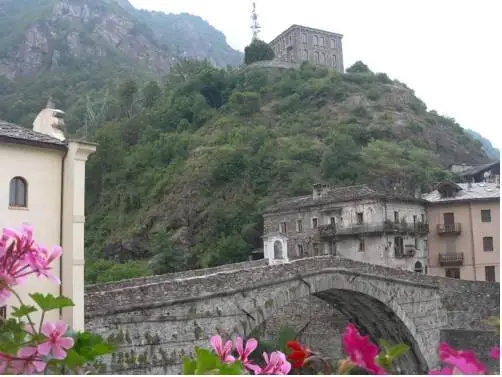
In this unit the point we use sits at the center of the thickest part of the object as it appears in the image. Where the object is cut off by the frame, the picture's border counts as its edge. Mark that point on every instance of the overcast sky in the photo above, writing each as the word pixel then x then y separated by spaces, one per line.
pixel 448 51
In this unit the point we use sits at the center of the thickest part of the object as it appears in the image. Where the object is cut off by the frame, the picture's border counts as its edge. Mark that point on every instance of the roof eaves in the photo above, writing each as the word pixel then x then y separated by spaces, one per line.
pixel 35 143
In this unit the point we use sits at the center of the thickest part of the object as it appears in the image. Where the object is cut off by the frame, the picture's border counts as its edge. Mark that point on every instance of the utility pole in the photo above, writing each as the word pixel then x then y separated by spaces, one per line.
pixel 255 26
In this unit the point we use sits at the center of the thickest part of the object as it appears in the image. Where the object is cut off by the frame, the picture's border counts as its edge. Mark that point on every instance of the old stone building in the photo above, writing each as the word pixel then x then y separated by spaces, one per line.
pixel 354 222
pixel 319 47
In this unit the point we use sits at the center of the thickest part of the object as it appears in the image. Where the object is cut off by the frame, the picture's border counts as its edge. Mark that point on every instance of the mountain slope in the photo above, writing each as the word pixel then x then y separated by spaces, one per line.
pixel 490 150
pixel 80 51
pixel 183 184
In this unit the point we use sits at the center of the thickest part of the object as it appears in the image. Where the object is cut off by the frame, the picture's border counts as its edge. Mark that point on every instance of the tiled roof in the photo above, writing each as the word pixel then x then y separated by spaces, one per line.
pixel 335 195
pixel 477 191
pixel 473 170
pixel 14 133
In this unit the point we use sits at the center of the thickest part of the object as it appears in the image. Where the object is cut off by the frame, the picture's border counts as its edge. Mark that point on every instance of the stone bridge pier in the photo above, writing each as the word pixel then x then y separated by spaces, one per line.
pixel 158 320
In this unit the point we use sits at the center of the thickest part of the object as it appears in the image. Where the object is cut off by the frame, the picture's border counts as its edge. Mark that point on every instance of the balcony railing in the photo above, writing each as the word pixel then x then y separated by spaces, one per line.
pixel 455 228
pixel 331 230
pixel 451 259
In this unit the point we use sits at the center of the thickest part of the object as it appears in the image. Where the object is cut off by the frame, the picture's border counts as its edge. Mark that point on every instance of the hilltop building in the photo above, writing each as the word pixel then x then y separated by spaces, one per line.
pixel 465 230
pixel 42 183
pixel 489 172
pixel 354 222
pixel 319 47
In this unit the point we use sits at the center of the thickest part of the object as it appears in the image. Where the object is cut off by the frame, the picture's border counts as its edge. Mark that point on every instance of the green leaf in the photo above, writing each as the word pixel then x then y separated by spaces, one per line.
pixel 232 369
pixel 398 350
pixel 73 360
pixel 87 348
pixel 206 360
pixel 48 302
pixel 189 366
pixel 91 346
pixel 23 310
pixel 12 335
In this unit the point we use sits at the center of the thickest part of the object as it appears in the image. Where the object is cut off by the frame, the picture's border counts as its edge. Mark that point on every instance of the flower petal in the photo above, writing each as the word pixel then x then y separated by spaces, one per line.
pixel 251 345
pixel 216 343
pixel 239 347
pixel 44 349
pixel 66 342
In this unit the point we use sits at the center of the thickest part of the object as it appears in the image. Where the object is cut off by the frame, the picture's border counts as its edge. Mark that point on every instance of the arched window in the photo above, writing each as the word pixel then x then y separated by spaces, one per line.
pixel 18 196
pixel 419 268
pixel 316 57
pixel 277 250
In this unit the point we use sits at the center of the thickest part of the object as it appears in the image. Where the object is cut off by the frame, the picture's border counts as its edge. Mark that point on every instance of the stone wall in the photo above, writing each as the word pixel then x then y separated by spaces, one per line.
pixel 172 276
pixel 159 322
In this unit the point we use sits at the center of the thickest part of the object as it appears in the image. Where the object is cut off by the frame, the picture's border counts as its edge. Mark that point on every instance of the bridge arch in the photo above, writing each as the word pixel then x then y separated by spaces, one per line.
pixel 371 302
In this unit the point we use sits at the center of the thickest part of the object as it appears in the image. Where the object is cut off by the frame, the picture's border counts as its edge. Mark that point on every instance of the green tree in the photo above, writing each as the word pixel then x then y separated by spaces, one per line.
pixel 258 51
pixel 151 93
pixel 167 258
pixel 127 95
pixel 245 103
pixel 358 67
pixel 341 160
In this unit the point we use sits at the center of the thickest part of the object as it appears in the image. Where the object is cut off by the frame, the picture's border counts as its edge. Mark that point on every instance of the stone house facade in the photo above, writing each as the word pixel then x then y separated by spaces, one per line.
pixel 42 184
pixel 465 230
pixel 353 222
pixel 319 47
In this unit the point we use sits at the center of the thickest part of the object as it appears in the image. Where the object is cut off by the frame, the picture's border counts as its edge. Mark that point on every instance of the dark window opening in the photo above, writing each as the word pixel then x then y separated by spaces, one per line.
pixel 18 192
pixel 490 273
pixel 488 243
pixel 452 273
pixel 486 216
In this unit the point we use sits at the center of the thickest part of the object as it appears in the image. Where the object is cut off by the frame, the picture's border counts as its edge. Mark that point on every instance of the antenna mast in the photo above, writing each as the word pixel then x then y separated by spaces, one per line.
pixel 255 26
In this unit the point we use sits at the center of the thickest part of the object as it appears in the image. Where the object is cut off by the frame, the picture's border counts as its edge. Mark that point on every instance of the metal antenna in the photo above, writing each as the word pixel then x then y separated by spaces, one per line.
pixel 255 26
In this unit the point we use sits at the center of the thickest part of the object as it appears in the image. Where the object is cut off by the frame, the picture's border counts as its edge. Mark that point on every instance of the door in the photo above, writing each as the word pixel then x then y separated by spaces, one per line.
pixel 449 221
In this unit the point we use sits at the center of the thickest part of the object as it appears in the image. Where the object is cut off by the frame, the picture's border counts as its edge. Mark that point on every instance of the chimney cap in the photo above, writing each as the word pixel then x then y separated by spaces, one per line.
pixel 50 103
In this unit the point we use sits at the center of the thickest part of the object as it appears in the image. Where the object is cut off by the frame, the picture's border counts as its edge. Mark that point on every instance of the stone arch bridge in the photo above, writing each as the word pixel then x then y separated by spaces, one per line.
pixel 159 319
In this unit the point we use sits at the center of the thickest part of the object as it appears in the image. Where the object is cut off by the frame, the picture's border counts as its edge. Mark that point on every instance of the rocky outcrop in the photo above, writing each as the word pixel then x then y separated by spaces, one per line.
pixel 63 31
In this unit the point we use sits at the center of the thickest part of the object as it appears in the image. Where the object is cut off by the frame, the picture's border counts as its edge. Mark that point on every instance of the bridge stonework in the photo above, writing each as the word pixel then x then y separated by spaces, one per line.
pixel 156 322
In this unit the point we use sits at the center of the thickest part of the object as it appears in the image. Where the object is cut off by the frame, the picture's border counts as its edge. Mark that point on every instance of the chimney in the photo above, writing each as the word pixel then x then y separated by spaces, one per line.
pixel 469 185
pixel 50 121
pixel 316 191
pixel 497 180
pixel 325 190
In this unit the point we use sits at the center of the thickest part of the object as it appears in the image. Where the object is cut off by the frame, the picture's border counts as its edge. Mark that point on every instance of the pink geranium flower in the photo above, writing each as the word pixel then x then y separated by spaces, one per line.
pixel 360 350
pixel 20 256
pixel 57 344
pixel 464 362
pixel 28 361
pixel 223 351
pixel 495 353
pixel 4 362
pixel 41 261
pixel 276 364
pixel 245 352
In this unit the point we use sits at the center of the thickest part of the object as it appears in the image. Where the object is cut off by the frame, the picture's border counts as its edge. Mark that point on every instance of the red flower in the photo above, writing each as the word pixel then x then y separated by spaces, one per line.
pixel 495 353
pixel 360 350
pixel 464 362
pixel 298 354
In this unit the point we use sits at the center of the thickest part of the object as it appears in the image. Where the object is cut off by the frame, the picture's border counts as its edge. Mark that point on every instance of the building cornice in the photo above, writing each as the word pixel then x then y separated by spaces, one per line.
pixel 462 201
pixel 305 28
pixel 33 143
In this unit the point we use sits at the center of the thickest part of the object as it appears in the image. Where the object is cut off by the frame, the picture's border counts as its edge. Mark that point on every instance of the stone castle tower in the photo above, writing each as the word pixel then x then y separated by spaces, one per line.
pixel 319 47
